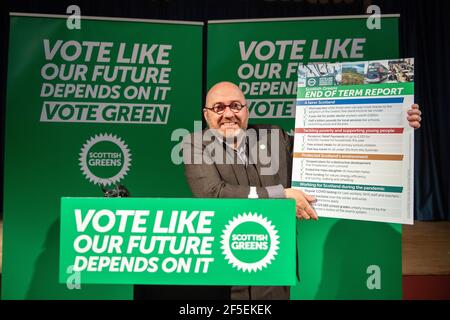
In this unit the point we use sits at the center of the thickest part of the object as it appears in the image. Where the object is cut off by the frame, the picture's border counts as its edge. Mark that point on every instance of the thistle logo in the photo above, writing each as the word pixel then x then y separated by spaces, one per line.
pixel 250 242
pixel 105 159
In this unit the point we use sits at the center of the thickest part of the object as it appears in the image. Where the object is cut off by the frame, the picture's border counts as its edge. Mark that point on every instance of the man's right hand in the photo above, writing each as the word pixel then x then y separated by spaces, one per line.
pixel 303 202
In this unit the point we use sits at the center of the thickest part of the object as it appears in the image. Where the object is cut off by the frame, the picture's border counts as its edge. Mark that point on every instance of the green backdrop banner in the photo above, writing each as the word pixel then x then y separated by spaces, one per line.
pixel 88 108
pixel 178 241
pixel 338 259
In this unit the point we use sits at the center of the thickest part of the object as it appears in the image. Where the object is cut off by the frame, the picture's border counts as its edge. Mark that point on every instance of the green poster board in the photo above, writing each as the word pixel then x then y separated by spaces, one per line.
pixel 179 241
pixel 339 259
pixel 88 108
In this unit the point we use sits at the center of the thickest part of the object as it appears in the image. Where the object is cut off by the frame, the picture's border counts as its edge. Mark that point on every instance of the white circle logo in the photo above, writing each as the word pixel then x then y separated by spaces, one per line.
pixel 250 242
pixel 105 159
pixel 311 82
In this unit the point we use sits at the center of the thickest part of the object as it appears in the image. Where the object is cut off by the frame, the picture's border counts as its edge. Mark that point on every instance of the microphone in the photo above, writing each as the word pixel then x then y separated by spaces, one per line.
pixel 119 191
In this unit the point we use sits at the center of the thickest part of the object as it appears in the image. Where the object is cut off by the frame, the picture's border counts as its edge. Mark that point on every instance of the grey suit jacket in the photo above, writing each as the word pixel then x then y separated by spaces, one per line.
pixel 214 174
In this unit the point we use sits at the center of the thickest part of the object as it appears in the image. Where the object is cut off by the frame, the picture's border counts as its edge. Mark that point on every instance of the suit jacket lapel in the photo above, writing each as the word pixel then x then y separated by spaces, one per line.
pixel 261 146
pixel 241 174
pixel 239 169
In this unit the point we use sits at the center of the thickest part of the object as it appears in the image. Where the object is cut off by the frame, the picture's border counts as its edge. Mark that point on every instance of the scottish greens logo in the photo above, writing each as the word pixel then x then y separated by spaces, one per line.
pixel 105 159
pixel 250 242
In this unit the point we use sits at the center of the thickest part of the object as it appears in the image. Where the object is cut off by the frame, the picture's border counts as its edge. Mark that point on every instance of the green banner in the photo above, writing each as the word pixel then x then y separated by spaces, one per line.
pixel 178 241
pixel 262 56
pixel 88 109
pixel 339 259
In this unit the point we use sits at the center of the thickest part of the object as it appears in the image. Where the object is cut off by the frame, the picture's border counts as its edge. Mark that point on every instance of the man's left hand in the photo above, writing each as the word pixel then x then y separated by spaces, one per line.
pixel 414 116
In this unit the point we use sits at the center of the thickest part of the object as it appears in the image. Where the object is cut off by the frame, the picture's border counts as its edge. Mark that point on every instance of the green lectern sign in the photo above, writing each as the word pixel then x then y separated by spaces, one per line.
pixel 178 241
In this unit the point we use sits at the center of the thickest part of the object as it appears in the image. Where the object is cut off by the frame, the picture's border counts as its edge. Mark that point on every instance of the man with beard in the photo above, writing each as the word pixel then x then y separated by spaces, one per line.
pixel 232 159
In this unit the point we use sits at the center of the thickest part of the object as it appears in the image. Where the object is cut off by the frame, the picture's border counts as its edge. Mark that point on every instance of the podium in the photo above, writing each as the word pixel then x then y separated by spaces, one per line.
pixel 178 241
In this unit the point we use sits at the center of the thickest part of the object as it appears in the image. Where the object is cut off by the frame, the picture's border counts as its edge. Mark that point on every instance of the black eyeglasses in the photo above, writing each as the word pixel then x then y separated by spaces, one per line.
pixel 220 107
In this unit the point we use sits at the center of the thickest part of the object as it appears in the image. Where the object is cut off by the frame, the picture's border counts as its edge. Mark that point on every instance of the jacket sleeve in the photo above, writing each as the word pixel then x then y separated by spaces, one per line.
pixel 204 178
pixel 286 150
pixel 289 143
pixel 290 157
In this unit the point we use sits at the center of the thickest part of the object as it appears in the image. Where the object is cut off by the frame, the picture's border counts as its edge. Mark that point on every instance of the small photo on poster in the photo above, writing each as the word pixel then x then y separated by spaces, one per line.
pixel 353 73
pixel 401 70
pixel 377 72
pixel 320 74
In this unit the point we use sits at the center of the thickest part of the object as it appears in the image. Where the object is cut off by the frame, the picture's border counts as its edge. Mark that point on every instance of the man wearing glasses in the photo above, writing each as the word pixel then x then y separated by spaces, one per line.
pixel 230 161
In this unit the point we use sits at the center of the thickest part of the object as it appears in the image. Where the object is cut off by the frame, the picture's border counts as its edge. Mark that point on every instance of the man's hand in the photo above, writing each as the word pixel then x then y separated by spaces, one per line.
pixel 302 201
pixel 414 117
